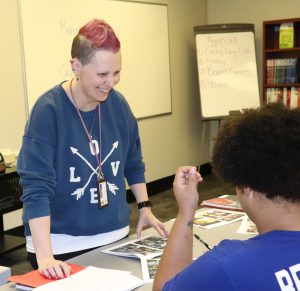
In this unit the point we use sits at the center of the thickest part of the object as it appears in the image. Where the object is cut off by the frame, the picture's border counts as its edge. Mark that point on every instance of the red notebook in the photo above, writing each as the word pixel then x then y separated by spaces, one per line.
pixel 222 203
pixel 35 279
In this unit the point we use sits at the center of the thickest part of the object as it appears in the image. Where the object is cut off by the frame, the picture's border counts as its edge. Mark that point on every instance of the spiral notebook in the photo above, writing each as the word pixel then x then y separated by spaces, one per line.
pixel 229 202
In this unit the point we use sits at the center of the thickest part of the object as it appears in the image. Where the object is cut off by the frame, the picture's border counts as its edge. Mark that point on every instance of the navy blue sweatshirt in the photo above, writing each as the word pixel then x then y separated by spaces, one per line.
pixel 57 164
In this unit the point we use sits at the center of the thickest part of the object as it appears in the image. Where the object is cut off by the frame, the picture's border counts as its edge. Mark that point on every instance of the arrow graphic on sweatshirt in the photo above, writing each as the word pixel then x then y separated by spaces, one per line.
pixel 79 192
pixel 114 146
pixel 75 152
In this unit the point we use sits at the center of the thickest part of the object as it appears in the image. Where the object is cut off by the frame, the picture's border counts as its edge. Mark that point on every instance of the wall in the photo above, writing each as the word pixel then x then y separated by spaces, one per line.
pixel 12 103
pixel 174 140
pixel 168 141
pixel 230 11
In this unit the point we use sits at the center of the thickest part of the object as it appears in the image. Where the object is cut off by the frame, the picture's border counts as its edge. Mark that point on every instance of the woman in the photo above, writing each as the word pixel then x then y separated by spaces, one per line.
pixel 80 143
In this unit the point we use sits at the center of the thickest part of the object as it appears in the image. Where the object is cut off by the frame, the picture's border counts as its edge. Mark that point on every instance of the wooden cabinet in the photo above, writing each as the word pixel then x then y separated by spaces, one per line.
pixel 281 66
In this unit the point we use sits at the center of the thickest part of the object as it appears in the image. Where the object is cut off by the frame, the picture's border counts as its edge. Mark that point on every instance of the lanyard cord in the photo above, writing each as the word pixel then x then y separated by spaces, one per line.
pixel 87 133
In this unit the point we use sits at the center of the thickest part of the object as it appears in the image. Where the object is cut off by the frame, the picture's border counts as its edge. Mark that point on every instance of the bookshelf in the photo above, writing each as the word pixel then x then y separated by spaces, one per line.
pixel 281 63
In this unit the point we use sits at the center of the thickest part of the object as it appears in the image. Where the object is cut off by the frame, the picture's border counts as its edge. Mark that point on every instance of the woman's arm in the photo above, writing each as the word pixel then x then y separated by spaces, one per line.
pixel 48 266
pixel 146 216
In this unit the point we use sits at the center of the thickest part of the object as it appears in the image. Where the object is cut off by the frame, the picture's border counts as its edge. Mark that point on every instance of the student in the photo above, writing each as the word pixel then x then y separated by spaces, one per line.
pixel 259 153
pixel 80 143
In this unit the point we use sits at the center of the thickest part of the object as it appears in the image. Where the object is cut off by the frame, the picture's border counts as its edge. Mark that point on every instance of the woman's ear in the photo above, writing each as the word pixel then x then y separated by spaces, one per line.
pixel 75 65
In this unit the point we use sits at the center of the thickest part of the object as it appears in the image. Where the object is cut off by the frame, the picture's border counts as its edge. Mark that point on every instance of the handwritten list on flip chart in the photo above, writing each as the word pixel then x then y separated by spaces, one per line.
pixel 227 72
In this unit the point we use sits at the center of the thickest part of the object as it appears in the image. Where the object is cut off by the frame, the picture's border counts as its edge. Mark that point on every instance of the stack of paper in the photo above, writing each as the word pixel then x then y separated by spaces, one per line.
pixel 148 249
pixel 96 279
pixel 82 278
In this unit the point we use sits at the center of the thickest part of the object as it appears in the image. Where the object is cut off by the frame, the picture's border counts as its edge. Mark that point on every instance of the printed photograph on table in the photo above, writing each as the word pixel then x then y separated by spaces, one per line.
pixel 152 267
pixel 133 249
pixel 216 217
pixel 153 242
pixel 146 247
pixel 247 226
pixel 149 267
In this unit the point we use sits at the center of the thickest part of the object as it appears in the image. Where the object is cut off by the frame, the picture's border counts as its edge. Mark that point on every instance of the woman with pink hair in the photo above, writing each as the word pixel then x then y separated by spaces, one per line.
pixel 80 144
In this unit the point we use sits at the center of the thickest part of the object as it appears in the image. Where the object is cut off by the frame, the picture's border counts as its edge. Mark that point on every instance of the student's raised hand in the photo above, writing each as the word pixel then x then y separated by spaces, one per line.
pixel 54 269
pixel 185 188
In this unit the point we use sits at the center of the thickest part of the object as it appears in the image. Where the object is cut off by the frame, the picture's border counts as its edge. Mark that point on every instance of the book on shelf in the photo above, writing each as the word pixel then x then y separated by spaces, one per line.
pixel 229 202
pixel 281 71
pixel 294 97
pixel 285 99
pixel 270 71
pixel 273 95
pixel 286 35
pixel 290 97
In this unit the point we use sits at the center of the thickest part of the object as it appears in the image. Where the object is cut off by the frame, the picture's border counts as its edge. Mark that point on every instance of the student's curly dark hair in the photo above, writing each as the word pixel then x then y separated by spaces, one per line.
pixel 260 149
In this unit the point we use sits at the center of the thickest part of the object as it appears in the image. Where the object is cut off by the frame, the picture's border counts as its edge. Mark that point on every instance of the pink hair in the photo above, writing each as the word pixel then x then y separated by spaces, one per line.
pixel 95 35
pixel 100 34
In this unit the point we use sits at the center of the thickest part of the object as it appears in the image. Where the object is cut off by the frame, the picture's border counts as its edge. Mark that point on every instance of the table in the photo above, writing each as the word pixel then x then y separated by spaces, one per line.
pixel 98 259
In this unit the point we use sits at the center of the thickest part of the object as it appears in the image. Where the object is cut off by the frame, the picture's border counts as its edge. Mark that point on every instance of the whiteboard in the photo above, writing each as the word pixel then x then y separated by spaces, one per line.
pixel 227 72
pixel 48 28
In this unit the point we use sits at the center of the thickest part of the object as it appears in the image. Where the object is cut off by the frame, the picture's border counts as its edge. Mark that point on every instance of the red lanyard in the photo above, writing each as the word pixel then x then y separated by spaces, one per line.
pixel 100 174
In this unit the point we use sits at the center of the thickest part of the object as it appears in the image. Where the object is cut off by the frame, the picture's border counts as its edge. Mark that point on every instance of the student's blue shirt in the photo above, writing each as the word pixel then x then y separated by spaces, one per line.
pixel 268 262
pixel 57 164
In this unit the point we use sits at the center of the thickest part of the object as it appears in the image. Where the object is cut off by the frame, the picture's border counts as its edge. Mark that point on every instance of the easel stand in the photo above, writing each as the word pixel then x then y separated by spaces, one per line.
pixel 205 132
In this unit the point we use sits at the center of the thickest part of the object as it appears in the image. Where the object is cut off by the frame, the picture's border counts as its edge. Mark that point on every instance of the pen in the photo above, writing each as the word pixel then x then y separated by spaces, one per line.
pixel 202 241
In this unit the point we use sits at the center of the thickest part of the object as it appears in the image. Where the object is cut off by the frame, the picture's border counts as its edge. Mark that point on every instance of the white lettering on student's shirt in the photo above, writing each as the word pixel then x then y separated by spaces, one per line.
pixel 289 280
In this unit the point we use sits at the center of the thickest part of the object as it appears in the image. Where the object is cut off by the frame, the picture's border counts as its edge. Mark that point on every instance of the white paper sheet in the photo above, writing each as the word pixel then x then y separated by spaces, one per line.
pixel 96 279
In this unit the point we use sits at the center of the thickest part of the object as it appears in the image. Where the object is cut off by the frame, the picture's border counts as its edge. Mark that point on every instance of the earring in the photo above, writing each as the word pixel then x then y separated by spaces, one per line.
pixel 77 78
